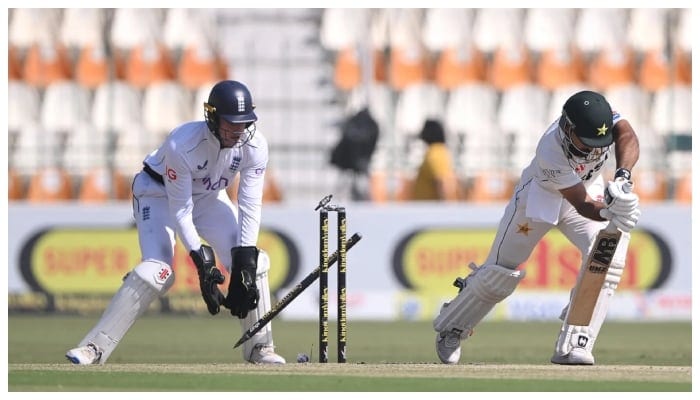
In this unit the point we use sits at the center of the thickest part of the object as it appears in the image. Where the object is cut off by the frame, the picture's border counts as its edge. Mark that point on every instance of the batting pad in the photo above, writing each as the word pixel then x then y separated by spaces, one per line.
pixel 264 336
pixel 571 336
pixel 484 288
pixel 141 286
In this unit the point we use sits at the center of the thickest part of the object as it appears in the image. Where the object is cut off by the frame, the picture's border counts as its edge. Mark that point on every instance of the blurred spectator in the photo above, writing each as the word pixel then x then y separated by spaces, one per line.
pixel 353 152
pixel 436 179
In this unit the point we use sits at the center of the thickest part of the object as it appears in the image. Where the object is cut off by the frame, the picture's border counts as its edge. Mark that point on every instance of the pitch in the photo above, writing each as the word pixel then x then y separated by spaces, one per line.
pixel 169 354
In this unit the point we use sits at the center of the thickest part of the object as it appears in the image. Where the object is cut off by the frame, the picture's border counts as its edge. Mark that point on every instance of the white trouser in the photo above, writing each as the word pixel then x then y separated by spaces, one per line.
pixel 518 235
pixel 214 216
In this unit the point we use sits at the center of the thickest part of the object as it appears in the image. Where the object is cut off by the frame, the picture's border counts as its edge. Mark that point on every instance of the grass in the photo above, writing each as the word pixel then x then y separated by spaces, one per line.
pixel 194 353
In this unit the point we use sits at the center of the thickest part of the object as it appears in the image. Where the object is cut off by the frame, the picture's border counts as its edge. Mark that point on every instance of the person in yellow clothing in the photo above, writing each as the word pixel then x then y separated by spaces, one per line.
pixel 436 178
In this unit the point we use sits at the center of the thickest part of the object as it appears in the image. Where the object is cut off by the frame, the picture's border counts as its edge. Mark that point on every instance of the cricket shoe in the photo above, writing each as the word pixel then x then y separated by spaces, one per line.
pixel 264 354
pixel 448 347
pixel 85 355
pixel 577 356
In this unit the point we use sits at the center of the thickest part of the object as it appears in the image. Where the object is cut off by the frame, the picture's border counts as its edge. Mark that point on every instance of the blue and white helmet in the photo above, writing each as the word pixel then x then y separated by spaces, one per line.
pixel 232 101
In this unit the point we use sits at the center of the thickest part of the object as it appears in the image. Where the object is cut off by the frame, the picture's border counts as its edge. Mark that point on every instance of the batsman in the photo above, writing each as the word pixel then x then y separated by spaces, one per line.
pixel 562 187
pixel 181 191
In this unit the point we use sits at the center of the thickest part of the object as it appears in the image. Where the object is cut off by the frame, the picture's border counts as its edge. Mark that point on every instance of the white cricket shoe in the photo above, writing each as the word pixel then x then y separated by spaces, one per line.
pixel 85 355
pixel 263 354
pixel 448 347
pixel 577 356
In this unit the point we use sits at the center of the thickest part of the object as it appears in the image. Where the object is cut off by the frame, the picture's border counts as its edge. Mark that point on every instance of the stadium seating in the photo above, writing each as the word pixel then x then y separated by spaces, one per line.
pixel 46 63
pixel 496 28
pixel 472 128
pixel 610 67
pixel 559 67
pixel 684 188
pixel 93 67
pixel 14 64
pixel 124 69
pixel 523 117
pixel 490 186
pixel 15 186
pixel 50 184
pixel 100 185
pixel 651 185
pixel 166 105
pixel 549 29
pixel 408 60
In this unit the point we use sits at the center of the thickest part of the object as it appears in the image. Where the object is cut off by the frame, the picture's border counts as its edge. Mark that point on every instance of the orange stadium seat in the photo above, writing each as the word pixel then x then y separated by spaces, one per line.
pixel 45 64
pixel 148 63
pixel 612 67
pixel 347 74
pixel 455 67
pixel 14 65
pixel 92 67
pixel 651 185
pixel 559 67
pixel 510 67
pixel 490 186
pixel 683 73
pixel 15 188
pixel 407 67
pixel 654 71
pixel 100 185
pixel 200 65
pixel 684 189
pixel 49 185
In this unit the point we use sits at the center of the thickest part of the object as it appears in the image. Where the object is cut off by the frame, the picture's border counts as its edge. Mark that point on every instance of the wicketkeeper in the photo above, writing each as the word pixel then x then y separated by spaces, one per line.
pixel 562 187
pixel 181 191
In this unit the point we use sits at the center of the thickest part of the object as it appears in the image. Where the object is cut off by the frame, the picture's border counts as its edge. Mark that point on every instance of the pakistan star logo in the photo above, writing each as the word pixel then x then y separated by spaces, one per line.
pixel 602 130
pixel 524 229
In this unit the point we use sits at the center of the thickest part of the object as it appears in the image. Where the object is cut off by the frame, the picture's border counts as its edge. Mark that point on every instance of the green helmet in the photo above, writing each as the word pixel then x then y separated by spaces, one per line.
pixel 589 116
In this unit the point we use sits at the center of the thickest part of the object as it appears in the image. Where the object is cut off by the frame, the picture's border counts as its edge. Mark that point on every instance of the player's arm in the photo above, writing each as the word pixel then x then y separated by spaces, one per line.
pixel 582 202
pixel 626 148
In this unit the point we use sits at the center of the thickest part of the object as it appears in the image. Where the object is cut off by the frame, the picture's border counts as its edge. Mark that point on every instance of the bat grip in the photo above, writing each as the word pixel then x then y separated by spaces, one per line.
pixel 611 228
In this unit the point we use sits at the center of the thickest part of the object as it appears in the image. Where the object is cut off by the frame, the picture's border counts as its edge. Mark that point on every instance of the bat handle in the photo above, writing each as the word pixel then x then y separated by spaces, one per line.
pixel 611 228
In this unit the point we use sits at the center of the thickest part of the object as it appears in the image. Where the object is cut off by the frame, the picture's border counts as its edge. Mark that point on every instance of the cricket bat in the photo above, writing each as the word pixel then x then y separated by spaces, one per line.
pixel 595 268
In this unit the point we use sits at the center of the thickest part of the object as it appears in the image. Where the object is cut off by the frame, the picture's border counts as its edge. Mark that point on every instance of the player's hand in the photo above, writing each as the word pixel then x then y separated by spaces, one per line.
pixel 209 278
pixel 619 198
pixel 624 222
pixel 243 293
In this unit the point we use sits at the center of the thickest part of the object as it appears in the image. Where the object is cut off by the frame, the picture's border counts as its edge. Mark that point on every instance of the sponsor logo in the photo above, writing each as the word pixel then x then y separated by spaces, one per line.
pixel 170 173
pixel 163 275
pixel 427 258
pixel 582 341
pixel 551 173
pixel 203 166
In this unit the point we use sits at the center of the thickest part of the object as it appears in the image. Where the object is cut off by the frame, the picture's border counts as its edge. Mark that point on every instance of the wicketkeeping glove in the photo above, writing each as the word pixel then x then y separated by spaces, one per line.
pixel 243 293
pixel 209 278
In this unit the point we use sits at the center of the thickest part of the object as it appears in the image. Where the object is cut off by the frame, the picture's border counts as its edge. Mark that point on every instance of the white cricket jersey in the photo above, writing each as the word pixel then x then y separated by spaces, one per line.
pixel 553 170
pixel 195 168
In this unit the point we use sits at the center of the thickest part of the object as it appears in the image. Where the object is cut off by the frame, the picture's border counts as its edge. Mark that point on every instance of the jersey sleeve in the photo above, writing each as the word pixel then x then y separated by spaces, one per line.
pixel 178 185
pixel 250 191
pixel 552 169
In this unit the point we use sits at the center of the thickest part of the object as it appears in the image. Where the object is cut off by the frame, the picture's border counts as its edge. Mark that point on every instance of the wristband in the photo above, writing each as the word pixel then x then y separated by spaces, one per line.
pixel 623 173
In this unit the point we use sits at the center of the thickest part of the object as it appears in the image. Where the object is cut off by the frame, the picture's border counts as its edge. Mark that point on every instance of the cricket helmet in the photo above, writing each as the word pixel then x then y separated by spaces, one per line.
pixel 232 101
pixel 589 116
